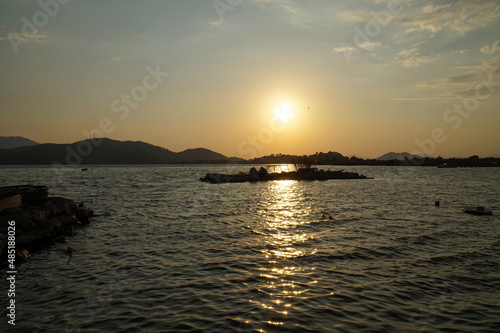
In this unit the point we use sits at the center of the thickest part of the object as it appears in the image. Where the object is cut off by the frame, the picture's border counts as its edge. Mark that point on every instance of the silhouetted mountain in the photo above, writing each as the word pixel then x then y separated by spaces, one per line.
pixel 200 154
pixel 397 156
pixel 8 142
pixel 105 151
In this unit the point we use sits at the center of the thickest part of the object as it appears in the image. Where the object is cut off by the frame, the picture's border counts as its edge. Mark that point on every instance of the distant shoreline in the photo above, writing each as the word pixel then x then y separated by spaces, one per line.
pixel 112 152
pixel 82 166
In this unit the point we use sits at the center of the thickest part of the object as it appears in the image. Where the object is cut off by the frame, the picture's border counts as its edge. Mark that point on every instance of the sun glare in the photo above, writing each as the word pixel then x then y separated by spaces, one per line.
pixel 284 112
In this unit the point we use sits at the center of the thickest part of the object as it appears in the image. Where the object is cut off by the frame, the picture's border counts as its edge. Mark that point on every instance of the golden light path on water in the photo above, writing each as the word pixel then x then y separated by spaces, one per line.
pixel 284 210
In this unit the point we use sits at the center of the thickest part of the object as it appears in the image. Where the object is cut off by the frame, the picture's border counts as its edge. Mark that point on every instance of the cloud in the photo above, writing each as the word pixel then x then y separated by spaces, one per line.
pixel 7 34
pixel 412 50
pixel 433 9
pixel 491 49
pixel 461 16
pixel 294 14
pixel 369 45
pixel 487 72
pixel 356 16
pixel 343 49
pixel 216 23
pixel 39 38
pixel 390 1
pixel 461 79
pixel 432 98
pixel 412 57
pixel 415 60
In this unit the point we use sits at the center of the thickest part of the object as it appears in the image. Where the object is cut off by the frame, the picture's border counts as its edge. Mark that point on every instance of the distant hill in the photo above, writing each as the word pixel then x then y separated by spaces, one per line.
pixel 397 156
pixel 202 154
pixel 318 158
pixel 8 142
pixel 105 151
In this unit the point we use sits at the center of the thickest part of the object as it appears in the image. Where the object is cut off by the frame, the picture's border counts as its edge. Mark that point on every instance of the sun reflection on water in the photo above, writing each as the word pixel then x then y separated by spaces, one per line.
pixel 285 214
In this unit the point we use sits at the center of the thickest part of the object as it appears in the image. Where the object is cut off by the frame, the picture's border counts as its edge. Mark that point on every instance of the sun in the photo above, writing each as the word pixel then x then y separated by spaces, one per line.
pixel 284 112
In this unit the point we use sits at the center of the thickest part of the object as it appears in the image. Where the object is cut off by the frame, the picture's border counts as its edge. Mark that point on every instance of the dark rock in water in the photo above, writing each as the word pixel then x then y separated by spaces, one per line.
pixel 239 177
pixel 83 215
pixel 263 175
pixel 253 175
pixel 217 178
pixel 41 222
pixel 30 194
pixel 322 175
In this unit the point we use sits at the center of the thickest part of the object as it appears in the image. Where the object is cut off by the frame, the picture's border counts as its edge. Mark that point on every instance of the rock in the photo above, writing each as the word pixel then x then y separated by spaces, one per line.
pixel 321 175
pixel 84 215
pixel 263 174
pixel 253 175
pixel 66 206
pixel 41 223
pixel 53 209
pixel 239 177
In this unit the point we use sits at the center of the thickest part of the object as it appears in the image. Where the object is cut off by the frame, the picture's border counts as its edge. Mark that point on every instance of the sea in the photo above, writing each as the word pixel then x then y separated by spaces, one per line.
pixel 166 252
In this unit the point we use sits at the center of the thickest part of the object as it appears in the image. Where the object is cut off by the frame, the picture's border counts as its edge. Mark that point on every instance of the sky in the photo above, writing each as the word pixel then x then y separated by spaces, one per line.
pixel 249 78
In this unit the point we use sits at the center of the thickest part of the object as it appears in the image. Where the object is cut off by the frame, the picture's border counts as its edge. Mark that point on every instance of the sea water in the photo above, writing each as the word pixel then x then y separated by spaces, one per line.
pixel 168 253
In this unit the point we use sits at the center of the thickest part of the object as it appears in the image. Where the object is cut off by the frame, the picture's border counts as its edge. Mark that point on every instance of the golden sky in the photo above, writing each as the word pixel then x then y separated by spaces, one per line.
pixel 249 78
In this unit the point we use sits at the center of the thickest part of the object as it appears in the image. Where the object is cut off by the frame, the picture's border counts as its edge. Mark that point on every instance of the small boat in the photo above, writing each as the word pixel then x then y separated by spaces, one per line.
pixel 476 211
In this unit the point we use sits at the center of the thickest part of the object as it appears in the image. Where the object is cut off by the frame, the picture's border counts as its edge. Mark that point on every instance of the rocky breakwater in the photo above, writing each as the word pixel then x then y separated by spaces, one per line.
pixel 262 174
pixel 36 219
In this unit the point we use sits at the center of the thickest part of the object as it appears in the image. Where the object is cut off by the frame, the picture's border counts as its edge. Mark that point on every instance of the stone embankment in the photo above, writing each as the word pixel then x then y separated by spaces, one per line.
pixel 39 220
pixel 262 175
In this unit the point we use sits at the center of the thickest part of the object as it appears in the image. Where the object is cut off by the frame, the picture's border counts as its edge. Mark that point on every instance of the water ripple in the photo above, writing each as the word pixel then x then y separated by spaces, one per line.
pixel 169 254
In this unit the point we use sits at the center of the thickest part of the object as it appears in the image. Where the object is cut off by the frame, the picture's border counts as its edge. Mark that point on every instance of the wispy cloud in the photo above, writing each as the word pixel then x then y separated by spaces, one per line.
pixel 434 9
pixel 412 50
pixel 461 79
pixel 294 13
pixel 369 45
pixel 39 38
pixel 491 49
pixel 7 34
pixel 486 72
pixel 461 16
pixel 356 16
pixel 412 57
pixel 343 49
pixel 415 60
